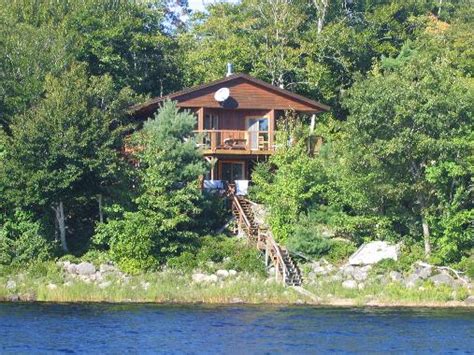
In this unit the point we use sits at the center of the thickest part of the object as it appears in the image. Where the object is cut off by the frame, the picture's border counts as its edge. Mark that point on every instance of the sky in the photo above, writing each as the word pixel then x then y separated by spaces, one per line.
pixel 198 5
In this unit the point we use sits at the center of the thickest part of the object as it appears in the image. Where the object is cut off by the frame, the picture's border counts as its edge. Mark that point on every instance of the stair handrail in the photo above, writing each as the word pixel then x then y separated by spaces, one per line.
pixel 269 240
pixel 274 245
pixel 242 212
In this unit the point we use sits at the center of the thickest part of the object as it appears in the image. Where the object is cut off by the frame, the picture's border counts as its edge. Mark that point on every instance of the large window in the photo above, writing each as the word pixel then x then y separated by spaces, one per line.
pixel 231 171
pixel 258 132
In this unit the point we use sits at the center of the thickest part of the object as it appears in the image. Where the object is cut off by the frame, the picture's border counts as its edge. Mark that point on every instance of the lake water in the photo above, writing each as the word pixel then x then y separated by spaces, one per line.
pixel 89 328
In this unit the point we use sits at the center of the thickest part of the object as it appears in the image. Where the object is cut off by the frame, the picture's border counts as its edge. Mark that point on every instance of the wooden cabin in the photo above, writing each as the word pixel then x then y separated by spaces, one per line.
pixel 236 120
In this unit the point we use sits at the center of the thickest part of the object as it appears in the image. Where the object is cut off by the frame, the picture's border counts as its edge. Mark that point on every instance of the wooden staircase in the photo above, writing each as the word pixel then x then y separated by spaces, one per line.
pixel 286 270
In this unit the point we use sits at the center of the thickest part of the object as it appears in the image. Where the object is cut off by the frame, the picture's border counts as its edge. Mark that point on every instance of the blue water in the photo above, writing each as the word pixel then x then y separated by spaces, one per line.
pixel 89 328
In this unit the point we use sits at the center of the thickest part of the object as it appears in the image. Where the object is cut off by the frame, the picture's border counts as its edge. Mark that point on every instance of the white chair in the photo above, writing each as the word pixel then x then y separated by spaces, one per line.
pixel 241 187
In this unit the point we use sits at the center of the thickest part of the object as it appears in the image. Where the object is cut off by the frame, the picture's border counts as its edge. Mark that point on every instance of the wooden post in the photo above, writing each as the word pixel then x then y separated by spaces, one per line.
pixel 271 129
pixel 200 114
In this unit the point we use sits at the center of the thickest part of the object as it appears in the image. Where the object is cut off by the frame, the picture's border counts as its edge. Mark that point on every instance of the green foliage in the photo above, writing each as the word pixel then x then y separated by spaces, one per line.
pixel 220 252
pixel 290 182
pixel 164 223
pixel 340 251
pixel 22 240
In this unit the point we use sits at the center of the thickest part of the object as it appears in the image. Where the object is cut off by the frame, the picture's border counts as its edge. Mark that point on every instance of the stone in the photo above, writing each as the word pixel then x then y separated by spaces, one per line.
pixel 232 272
pixel 105 284
pixel 236 300
pixel 359 275
pixel 336 277
pixel 395 276
pixel 85 268
pixel 199 278
pixel 11 285
pixel 145 285
pixel 373 252
pixel 469 300
pixel 412 280
pixel 71 268
pixel 361 286
pixel 222 274
pixel 68 284
pixel 212 278
pixel 443 279
pixel 349 284
pixel 13 298
pixel 52 286
pixel 104 268
pixel 423 271
pixel 271 271
pixel 27 297
pixel 298 301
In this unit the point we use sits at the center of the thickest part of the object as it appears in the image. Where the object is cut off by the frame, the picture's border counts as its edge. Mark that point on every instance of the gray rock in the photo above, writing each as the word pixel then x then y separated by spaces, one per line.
pixel 373 252
pixel 85 268
pixel 212 278
pixel 71 268
pixel 11 285
pixel 68 284
pixel 198 278
pixel 236 300
pixel 359 275
pixel 105 284
pixel 349 284
pixel 396 276
pixel 443 279
pixel 412 280
pixel 222 274
pixel 232 272
pixel 422 271
pixel 52 286
pixel 13 298
pixel 336 277
pixel 104 268
pixel 469 300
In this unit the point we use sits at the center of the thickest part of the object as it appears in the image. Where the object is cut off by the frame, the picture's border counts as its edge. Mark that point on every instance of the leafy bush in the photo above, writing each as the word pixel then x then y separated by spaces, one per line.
pixel 22 240
pixel 384 266
pixel 225 252
pixel 340 251
pixel 186 262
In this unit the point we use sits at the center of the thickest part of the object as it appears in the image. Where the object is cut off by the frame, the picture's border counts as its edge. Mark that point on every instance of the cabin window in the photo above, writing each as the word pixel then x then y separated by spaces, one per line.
pixel 231 171
pixel 257 128
pixel 211 121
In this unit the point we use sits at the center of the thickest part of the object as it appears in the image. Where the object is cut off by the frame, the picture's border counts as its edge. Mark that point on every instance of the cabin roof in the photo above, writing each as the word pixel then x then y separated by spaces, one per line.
pixel 151 105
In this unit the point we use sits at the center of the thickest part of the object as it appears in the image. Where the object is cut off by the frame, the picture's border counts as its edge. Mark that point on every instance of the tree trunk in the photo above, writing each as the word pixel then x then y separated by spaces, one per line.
pixel 59 211
pixel 101 213
pixel 426 236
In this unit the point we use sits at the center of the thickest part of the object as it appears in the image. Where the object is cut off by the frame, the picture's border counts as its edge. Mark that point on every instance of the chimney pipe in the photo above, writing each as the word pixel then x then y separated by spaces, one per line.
pixel 229 69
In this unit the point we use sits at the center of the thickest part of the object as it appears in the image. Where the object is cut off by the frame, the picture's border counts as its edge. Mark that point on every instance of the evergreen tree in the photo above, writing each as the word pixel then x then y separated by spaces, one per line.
pixel 163 224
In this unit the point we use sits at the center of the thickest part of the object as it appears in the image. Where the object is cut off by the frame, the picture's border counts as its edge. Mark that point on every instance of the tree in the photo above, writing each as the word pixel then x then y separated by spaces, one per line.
pixel 408 124
pixel 163 224
pixel 65 150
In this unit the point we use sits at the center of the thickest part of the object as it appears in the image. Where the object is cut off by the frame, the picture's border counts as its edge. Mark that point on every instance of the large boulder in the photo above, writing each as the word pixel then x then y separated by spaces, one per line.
pixel 373 252
pixel 443 279
pixel 85 268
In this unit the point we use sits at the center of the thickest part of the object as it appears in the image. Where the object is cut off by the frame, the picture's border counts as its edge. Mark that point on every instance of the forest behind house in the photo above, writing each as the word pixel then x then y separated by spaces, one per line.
pixel 396 163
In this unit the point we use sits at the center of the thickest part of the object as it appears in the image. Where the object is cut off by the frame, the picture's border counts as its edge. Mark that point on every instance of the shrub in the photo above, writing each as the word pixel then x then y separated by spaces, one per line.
pixel 22 240
pixel 340 251
pixel 187 261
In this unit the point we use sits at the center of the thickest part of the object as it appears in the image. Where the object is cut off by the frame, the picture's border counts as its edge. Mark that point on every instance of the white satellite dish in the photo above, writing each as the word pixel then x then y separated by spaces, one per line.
pixel 222 94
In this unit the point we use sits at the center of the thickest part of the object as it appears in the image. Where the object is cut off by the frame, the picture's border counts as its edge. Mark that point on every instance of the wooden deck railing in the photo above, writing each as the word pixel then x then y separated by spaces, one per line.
pixel 234 140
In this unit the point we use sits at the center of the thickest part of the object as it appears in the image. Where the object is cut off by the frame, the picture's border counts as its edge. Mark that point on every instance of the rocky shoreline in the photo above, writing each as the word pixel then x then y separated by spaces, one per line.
pixel 325 285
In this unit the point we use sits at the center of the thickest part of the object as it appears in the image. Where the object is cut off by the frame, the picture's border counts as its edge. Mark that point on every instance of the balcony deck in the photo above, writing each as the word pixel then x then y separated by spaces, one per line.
pixel 235 142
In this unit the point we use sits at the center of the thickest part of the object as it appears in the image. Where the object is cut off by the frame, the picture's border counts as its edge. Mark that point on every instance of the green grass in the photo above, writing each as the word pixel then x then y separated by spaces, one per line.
pixel 177 287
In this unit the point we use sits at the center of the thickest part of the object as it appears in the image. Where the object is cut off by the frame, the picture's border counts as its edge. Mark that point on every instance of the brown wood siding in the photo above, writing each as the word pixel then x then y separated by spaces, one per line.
pixel 243 95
